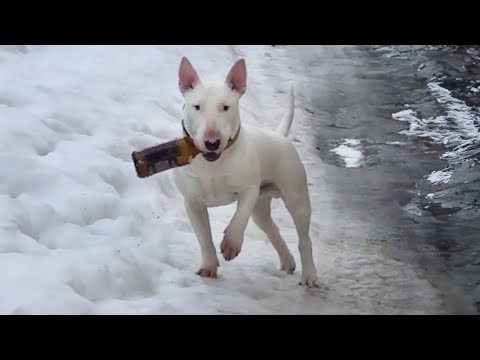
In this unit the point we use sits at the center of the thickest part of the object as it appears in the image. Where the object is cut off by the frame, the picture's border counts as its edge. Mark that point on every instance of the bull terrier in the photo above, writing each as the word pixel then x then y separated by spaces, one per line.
pixel 243 164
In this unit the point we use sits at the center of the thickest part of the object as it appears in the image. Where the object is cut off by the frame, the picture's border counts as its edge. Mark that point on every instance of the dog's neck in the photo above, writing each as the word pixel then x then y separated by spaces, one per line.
pixel 231 141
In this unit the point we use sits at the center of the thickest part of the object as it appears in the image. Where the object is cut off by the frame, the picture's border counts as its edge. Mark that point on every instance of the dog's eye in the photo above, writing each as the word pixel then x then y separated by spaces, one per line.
pixel 197 107
pixel 225 108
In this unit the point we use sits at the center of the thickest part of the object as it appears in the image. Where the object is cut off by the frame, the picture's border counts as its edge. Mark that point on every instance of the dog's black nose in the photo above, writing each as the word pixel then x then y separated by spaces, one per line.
pixel 212 146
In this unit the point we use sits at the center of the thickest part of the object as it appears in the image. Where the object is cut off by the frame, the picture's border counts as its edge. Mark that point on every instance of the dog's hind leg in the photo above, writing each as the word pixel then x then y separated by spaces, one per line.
pixel 261 216
pixel 295 195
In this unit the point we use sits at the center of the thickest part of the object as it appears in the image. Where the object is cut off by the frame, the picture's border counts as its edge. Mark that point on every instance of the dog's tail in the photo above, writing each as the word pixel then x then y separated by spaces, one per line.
pixel 286 123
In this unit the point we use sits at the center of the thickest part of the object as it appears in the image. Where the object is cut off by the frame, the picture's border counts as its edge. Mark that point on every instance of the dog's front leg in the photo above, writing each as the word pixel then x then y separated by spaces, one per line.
pixel 233 239
pixel 198 215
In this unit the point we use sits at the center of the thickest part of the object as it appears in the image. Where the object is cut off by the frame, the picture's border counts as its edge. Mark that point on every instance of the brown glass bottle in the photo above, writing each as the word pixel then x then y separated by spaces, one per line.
pixel 165 156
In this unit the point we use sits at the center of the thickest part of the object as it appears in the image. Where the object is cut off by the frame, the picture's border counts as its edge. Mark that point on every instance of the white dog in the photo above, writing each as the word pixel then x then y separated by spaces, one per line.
pixel 238 163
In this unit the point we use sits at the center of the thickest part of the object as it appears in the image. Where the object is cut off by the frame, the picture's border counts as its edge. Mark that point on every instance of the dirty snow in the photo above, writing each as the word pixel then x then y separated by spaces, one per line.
pixel 350 152
pixel 440 177
pixel 456 129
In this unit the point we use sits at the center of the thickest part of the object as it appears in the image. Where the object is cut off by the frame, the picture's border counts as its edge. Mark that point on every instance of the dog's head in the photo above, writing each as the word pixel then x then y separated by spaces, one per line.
pixel 211 112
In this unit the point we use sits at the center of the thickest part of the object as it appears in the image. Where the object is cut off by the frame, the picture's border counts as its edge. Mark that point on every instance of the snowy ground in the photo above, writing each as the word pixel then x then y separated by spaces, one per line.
pixel 81 234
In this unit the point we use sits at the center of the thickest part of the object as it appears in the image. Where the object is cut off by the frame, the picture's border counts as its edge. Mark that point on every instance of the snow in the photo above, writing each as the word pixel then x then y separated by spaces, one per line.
pixel 440 177
pixel 412 209
pixel 457 129
pixel 350 152
pixel 454 129
pixel 407 115
pixel 81 234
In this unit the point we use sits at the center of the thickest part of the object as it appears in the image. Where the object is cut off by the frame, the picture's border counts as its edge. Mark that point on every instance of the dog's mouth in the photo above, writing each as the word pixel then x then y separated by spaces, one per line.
pixel 211 156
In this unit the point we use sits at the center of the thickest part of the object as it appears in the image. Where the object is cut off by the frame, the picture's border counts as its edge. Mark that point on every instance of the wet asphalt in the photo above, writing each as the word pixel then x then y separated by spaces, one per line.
pixel 353 96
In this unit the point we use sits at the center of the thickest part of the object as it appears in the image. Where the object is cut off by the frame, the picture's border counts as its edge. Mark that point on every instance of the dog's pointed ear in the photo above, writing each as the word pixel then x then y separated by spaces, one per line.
pixel 187 76
pixel 237 77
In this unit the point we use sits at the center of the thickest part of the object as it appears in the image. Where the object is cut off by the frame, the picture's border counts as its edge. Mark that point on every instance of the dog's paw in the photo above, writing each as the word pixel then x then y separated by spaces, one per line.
pixel 309 280
pixel 229 248
pixel 288 265
pixel 231 244
pixel 208 271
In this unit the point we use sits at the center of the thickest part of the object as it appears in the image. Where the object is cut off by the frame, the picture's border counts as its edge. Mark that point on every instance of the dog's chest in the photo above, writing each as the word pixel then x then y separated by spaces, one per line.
pixel 210 187
pixel 217 191
pixel 219 183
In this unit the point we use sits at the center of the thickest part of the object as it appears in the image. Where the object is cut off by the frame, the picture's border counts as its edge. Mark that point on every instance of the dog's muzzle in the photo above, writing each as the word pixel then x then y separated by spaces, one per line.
pixel 211 156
